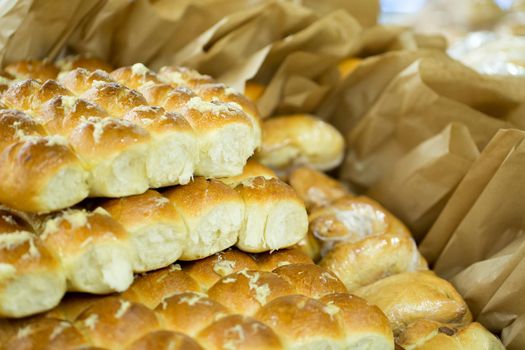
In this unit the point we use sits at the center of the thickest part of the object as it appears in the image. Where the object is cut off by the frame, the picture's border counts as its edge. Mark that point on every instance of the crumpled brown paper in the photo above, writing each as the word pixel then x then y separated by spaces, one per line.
pixel 420 183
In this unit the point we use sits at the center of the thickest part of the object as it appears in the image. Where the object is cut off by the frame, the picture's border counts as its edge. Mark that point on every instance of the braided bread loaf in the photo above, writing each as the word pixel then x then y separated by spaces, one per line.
pixel 93 134
pixel 228 301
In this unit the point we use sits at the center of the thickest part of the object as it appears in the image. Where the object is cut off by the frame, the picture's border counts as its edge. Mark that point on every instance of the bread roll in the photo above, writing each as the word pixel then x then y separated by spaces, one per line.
pixel 426 335
pixel 152 288
pixel 80 80
pixel 209 270
pixel 31 277
pixel 41 174
pixel 315 188
pixel 251 170
pixel 293 317
pixel 116 322
pixel 247 290
pixel 94 250
pixel 173 151
pixel 311 280
pixel 275 216
pixel 89 63
pixel 164 340
pixel 189 312
pixel 300 140
pixel 182 76
pixel 135 76
pixel 156 229
pixel 271 260
pixel 32 69
pixel 47 333
pixel 213 213
pixel 409 296
pixel 28 95
pixel 114 97
pixel 310 246
pixel 239 332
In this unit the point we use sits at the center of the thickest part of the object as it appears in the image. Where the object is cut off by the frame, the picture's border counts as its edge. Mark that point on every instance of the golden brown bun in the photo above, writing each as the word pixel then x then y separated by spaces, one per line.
pixel 247 290
pixel 213 213
pixel 39 70
pixel 164 340
pixel 293 316
pixel 239 332
pixel 47 333
pixel 116 322
pixel 157 231
pixel 94 250
pixel 80 80
pixel 15 125
pixel 271 260
pixel 182 76
pixel 300 140
pixel 29 94
pixel 209 270
pixel 152 288
pixel 275 216
pixel 315 188
pixel 135 76
pixel 72 305
pixel 253 90
pixel 115 98
pixel 426 335
pixel 311 280
pixel 189 312
pixel 252 169
pixel 410 296
pixel 31 277
pixel 173 99
pixel 89 63
pixel 173 152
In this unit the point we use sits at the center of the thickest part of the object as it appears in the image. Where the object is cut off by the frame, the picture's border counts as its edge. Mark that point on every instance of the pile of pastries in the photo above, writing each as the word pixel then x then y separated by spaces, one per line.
pixel 109 177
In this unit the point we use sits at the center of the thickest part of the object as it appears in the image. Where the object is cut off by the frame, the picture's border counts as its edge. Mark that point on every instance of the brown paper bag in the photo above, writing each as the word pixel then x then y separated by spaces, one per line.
pixel 421 182
pixel 365 11
pixel 468 192
pixel 514 335
pixel 495 216
pixel 417 104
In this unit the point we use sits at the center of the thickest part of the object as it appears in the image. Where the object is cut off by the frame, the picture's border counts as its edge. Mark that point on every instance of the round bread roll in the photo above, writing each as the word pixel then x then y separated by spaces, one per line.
pixel 89 63
pixel 47 333
pixel 173 99
pixel 246 291
pixel 164 340
pixel 135 76
pixel 156 229
pixel 365 325
pixel 115 322
pixel 28 95
pixel 31 277
pixel 32 69
pixel 303 323
pixel 182 76
pixel 239 332
pixel 173 150
pixel 275 215
pixel 115 150
pixel 315 188
pixel 271 260
pixel 152 288
pixel 72 305
pixel 300 140
pixel 80 80
pixel 93 248
pixel 213 213
pixel 409 296
pixel 311 280
pixel 373 258
pixel 41 174
pixel 189 312
pixel 427 335
pixel 209 270
pixel 251 170
pixel 114 97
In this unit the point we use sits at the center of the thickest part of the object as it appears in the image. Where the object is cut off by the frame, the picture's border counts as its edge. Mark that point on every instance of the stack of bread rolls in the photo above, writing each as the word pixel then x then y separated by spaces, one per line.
pixel 376 258
pixel 77 133
pixel 231 300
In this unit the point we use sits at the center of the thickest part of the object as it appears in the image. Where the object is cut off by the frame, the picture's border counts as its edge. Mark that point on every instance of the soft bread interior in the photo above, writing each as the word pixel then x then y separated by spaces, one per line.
pixel 66 188
pixel 100 269
pixel 31 293
pixel 157 246
pixel 215 231
pixel 121 176
pixel 224 152
pixel 171 160
pixel 274 226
